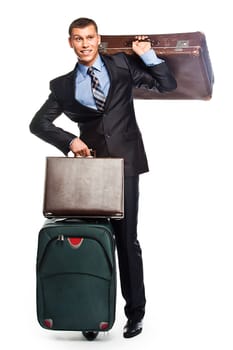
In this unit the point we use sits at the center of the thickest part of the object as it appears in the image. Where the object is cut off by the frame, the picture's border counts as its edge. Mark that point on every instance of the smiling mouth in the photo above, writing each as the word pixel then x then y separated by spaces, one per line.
pixel 86 52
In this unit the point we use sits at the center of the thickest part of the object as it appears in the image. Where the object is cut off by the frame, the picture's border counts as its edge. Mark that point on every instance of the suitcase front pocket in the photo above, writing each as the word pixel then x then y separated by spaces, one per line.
pixel 74 281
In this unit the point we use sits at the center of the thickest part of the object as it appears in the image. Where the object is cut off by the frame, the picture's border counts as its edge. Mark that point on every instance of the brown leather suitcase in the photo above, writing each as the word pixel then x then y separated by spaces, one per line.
pixel 187 56
pixel 84 187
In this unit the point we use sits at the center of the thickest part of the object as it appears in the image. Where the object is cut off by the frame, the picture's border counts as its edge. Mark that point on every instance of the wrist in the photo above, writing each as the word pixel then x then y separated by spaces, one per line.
pixel 72 141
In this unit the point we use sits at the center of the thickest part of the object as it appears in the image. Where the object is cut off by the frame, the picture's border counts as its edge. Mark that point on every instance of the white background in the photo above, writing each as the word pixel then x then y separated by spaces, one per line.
pixel 185 223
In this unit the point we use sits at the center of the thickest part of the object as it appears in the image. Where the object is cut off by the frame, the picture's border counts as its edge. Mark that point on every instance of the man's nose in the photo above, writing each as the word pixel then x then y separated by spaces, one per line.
pixel 85 42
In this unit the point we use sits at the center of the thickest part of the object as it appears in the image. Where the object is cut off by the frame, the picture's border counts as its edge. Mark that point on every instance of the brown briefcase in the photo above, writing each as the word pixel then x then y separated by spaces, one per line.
pixel 84 187
pixel 187 56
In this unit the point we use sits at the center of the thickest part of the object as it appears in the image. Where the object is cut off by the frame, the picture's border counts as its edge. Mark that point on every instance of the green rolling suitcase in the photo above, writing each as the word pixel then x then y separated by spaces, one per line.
pixel 76 275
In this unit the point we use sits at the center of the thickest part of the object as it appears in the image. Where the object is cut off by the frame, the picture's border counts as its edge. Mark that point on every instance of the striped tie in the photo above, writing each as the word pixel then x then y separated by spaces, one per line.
pixel 97 92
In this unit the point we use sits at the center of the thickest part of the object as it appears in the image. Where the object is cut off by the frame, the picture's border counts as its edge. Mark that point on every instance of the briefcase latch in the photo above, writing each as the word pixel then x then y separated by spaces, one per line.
pixel 182 44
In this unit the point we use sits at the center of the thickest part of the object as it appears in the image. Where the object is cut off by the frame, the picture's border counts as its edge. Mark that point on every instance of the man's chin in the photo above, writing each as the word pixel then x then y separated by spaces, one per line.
pixel 85 60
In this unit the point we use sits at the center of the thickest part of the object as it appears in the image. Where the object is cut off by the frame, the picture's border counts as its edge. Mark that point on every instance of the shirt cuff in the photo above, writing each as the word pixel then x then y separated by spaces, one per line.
pixel 150 58
pixel 72 141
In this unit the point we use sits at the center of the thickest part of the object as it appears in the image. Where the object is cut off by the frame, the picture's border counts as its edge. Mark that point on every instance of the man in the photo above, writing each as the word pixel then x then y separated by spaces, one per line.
pixel 107 124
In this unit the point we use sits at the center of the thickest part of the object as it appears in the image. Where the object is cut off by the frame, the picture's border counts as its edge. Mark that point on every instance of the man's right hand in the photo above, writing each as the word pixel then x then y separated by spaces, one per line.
pixel 79 148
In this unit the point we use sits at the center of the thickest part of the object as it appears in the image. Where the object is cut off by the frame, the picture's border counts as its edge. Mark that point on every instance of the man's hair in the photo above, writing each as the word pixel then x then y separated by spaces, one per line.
pixel 82 22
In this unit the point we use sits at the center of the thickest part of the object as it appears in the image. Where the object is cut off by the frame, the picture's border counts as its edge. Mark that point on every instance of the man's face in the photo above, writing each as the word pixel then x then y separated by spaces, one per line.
pixel 85 42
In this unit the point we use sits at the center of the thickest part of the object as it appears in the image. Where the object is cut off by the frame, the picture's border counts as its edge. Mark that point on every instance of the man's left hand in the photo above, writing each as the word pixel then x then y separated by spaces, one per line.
pixel 141 44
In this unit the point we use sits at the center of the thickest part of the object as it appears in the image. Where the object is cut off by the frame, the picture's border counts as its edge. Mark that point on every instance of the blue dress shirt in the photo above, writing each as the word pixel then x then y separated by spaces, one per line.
pixel 83 92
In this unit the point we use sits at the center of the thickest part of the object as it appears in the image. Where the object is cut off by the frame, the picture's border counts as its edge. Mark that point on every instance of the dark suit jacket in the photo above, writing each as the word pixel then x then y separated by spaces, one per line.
pixel 115 132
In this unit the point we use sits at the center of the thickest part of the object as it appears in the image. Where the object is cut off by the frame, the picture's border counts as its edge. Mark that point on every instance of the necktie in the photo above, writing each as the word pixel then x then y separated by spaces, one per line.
pixel 97 92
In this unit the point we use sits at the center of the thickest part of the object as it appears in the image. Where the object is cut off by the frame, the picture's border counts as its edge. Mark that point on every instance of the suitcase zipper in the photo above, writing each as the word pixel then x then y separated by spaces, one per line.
pixel 60 238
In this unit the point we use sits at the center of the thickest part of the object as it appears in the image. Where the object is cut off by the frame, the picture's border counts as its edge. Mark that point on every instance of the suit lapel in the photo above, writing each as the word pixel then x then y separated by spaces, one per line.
pixel 69 92
pixel 70 85
pixel 110 69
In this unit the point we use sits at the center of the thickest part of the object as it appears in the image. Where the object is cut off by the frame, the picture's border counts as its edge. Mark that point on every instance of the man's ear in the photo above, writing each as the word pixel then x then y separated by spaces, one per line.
pixel 70 42
pixel 99 39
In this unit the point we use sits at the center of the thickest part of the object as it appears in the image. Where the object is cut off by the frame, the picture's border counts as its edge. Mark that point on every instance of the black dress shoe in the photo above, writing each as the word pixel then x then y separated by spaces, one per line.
pixel 90 335
pixel 132 329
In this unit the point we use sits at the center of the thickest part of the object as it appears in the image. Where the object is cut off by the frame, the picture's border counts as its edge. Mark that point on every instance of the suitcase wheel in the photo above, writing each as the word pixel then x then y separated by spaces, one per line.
pixel 90 335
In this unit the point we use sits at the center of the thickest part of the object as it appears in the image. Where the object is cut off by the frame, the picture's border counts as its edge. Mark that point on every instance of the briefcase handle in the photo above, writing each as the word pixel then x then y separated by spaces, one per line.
pixel 93 154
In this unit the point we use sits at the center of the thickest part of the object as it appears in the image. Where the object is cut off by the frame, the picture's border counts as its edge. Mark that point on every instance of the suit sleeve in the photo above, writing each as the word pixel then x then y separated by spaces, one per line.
pixel 157 77
pixel 42 125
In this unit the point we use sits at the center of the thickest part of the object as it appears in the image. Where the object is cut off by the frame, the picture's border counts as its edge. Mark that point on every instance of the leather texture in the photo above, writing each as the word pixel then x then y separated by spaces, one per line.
pixel 186 55
pixel 84 187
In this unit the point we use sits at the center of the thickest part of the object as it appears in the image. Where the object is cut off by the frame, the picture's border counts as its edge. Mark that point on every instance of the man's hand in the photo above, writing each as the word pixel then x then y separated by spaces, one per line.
pixel 141 44
pixel 79 148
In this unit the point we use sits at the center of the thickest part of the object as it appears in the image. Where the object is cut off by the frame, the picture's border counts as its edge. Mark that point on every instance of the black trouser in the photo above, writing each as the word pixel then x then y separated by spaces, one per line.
pixel 129 252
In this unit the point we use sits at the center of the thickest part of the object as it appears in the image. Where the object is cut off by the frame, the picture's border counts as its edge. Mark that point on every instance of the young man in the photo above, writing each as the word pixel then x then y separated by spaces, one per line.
pixel 108 125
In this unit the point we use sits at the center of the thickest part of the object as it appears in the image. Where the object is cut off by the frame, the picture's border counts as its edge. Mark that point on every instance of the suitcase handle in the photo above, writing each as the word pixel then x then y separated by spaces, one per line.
pixel 128 43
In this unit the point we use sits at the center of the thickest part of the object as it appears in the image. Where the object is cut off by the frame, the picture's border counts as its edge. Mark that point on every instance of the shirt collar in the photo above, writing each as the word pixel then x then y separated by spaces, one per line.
pixel 98 64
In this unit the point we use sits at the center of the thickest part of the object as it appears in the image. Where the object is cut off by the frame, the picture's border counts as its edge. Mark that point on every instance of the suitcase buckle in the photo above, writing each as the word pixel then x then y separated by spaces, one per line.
pixel 181 44
pixel 103 46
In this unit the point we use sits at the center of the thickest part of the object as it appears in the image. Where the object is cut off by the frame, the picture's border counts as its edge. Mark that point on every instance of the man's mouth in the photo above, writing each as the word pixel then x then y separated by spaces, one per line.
pixel 86 52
